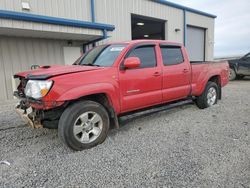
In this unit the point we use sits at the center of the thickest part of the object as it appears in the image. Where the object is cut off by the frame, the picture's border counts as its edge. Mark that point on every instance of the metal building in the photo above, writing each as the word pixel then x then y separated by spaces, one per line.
pixel 58 31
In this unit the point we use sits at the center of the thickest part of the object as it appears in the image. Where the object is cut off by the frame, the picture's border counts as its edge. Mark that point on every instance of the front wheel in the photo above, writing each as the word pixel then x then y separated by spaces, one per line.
pixel 83 125
pixel 209 96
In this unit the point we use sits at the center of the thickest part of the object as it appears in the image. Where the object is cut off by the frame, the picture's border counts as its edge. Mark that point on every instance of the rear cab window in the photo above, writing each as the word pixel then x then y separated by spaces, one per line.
pixel 171 55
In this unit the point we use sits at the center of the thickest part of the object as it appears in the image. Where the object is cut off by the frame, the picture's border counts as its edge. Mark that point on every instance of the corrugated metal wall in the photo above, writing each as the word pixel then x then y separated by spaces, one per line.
pixel 118 13
pixel 18 54
pixel 195 43
pixel 73 9
pixel 208 24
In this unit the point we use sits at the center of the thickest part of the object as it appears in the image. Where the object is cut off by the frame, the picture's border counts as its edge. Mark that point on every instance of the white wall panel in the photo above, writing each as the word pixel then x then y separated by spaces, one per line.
pixel 32 26
pixel 72 9
pixel 18 54
pixel 208 24
pixel 118 13
pixel 196 43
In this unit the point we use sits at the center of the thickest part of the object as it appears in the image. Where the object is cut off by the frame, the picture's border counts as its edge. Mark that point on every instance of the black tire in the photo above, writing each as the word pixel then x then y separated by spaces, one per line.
pixel 240 77
pixel 202 101
pixel 232 74
pixel 69 117
pixel 50 124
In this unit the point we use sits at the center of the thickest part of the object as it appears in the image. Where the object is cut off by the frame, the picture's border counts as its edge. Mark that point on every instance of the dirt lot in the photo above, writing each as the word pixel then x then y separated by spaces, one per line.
pixel 181 147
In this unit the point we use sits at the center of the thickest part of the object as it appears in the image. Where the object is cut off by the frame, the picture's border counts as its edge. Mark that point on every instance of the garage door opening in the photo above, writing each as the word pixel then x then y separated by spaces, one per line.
pixel 196 43
pixel 147 28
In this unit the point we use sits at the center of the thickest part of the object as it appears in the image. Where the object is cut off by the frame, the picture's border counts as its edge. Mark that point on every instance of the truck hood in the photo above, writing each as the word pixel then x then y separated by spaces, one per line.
pixel 45 72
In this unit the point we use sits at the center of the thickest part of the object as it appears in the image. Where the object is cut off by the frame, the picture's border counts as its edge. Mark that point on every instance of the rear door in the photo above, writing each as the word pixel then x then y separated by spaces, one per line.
pixel 176 73
pixel 141 87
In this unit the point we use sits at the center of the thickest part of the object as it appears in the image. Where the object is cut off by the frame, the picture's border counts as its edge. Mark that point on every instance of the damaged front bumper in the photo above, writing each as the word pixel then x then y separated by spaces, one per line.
pixel 29 116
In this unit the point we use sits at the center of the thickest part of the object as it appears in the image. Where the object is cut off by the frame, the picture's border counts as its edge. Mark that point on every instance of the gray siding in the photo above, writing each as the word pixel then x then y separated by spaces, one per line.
pixel 18 54
pixel 196 43
pixel 73 9
pixel 208 24
pixel 118 13
pixel 47 29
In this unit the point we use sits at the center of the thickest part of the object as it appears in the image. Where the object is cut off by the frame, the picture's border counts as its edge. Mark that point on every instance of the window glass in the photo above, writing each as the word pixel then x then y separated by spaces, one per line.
pixel 146 55
pixel 103 56
pixel 171 55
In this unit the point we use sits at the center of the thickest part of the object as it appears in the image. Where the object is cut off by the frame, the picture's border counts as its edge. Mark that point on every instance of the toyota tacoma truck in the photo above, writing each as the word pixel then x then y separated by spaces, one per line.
pixel 239 68
pixel 85 99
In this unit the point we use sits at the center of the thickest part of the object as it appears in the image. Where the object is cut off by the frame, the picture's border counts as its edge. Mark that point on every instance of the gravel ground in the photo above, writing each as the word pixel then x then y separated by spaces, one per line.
pixel 181 147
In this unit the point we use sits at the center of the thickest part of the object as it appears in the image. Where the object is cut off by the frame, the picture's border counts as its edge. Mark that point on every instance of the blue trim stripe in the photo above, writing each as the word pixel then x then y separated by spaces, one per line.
pixel 53 20
pixel 184 8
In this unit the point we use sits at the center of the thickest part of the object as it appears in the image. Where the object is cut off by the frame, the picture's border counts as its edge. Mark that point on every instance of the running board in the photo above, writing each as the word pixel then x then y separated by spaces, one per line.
pixel 142 113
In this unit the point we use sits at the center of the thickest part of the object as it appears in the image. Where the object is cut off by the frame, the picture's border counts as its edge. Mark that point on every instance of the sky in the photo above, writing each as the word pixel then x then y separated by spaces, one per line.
pixel 232 25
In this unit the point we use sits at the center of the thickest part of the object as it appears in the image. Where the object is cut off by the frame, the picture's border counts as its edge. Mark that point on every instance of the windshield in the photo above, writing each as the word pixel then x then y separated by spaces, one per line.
pixel 102 56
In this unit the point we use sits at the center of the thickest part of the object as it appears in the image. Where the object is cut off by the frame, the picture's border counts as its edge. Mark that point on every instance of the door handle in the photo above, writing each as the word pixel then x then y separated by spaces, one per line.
pixel 157 74
pixel 185 71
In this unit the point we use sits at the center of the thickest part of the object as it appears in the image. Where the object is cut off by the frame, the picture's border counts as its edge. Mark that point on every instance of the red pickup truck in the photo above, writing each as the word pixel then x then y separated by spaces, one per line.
pixel 82 100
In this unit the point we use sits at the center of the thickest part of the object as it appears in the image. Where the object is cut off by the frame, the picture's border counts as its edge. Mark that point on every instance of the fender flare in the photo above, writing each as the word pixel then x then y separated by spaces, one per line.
pixel 91 89
pixel 205 81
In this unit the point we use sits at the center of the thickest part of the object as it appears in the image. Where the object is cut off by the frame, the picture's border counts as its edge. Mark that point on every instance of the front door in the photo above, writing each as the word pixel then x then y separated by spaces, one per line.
pixel 141 87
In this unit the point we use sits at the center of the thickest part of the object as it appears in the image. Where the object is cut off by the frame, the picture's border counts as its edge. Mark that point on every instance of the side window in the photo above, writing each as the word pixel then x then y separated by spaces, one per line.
pixel 172 55
pixel 146 54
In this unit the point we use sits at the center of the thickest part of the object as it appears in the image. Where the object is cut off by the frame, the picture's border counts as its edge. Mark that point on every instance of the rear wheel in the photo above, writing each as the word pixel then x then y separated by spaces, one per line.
pixel 232 74
pixel 83 125
pixel 209 96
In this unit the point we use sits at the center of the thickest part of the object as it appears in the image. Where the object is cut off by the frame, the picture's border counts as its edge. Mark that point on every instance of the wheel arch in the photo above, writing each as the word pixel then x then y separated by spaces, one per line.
pixel 105 89
pixel 103 99
pixel 216 79
pixel 213 78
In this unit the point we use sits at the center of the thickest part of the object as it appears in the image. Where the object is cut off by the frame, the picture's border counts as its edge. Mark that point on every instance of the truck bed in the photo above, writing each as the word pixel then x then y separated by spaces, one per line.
pixel 201 70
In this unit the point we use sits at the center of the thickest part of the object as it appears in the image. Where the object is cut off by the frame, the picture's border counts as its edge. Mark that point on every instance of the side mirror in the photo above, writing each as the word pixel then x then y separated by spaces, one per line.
pixel 132 63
